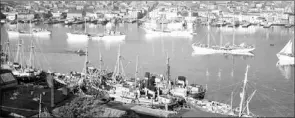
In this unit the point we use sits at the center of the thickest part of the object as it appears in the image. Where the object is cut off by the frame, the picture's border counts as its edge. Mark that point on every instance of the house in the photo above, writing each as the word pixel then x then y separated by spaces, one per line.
pixel 211 6
pixel 279 10
pixel 250 17
pixel 110 15
pixel 56 14
pixel 54 5
pixel 289 9
pixel 60 5
pixel 91 15
pixel 25 16
pixel 70 6
pixel 258 5
pixel 47 5
pixel 74 15
pixel 79 7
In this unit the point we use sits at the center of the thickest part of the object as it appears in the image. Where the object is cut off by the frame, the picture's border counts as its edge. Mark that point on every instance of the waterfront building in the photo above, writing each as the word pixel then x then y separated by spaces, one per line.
pixel 79 7
pixel 74 15
pixel 56 14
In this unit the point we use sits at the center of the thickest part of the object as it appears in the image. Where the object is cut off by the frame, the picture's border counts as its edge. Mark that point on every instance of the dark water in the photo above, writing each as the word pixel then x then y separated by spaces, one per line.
pixel 275 88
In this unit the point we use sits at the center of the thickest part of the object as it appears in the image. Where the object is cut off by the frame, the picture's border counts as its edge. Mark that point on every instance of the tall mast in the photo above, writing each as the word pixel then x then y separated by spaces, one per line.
pixel 32 53
pixel 234 35
pixel 18 51
pixel 100 59
pixel 233 66
pixel 208 36
pixel 7 50
pixel 119 66
pixel 86 62
pixel 22 56
pixel 231 101
pixel 168 68
pixel 30 27
pixel 220 38
pixel 17 23
pixel 85 25
pixel 242 95
pixel 162 24
pixel 136 70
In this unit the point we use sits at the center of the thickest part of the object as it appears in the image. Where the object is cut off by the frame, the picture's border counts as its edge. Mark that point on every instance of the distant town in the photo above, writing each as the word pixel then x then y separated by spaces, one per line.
pixel 273 12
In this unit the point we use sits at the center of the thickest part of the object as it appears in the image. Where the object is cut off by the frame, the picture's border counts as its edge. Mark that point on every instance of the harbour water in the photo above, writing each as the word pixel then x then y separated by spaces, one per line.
pixel 275 86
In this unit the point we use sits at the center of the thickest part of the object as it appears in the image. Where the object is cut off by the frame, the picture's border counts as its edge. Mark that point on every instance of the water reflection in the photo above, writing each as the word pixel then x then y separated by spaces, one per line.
pixel 76 43
pixel 110 43
pixel 286 71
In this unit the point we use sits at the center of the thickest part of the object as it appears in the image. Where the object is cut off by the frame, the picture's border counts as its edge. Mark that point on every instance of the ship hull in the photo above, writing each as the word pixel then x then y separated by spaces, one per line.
pixel 13 33
pixel 245 51
pixel 285 60
pixel 203 50
pixel 199 96
pixel 77 36
pixel 44 33
pixel 110 38
pixel 119 37
pixel 151 33
pixel 28 77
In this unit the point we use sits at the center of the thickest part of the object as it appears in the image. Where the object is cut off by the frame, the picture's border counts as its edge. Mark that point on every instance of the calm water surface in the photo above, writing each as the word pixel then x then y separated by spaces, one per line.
pixel 222 74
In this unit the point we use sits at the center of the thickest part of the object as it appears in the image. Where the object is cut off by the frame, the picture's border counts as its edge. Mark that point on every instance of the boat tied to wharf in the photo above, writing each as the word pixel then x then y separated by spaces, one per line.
pixel 25 72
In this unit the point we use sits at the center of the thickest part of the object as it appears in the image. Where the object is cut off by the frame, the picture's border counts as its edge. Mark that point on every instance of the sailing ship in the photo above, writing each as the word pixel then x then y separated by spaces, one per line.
pixel 241 49
pixel 79 35
pixel 111 33
pixel 286 55
pixel 203 49
pixel 24 72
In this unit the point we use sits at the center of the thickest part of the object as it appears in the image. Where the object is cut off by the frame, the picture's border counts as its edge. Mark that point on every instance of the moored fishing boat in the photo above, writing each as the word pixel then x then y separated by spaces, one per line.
pixel 25 73
pixel 78 35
